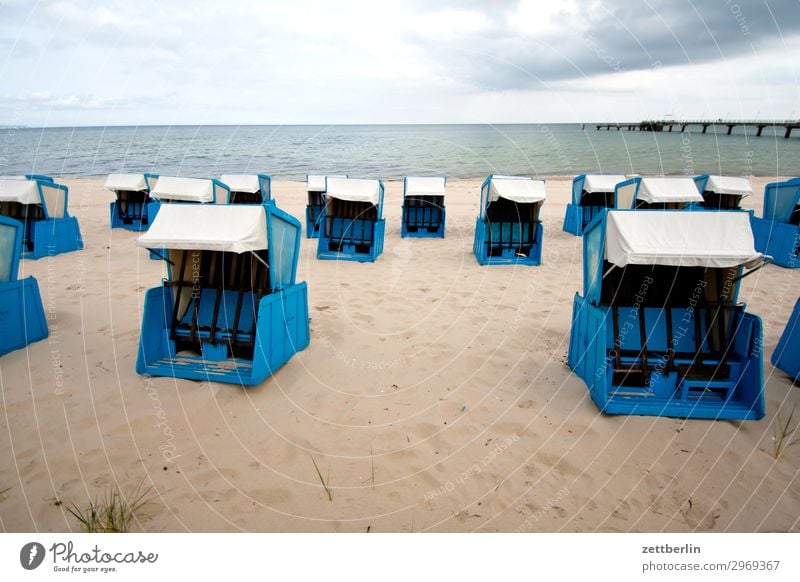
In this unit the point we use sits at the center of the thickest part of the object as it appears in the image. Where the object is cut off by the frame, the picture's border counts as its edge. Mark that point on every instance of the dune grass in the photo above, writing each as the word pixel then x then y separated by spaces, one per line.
pixel 784 433
pixel 325 482
pixel 113 512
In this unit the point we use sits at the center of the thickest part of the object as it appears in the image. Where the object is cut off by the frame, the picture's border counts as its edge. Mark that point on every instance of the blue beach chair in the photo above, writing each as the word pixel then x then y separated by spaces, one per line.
pixel 21 311
pixel 352 220
pixel 722 192
pixel 248 188
pixel 315 187
pixel 657 193
pixel 658 330
pixel 133 208
pixel 41 206
pixel 508 230
pixel 423 207
pixel 591 194
pixel 778 231
pixel 230 309
pixel 786 356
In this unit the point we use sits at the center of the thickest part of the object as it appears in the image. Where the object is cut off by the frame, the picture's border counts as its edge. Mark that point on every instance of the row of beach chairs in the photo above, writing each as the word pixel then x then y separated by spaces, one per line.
pixel 658 328
pixel 776 232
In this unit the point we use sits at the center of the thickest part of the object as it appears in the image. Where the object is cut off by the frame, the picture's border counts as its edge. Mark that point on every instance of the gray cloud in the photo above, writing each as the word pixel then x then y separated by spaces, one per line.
pixel 616 35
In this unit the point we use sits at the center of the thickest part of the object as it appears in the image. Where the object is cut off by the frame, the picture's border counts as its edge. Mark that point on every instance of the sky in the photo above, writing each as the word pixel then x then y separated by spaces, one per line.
pixel 125 62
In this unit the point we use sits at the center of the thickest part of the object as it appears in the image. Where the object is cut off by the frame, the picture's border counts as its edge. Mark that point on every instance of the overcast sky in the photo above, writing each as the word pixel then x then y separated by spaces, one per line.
pixel 118 62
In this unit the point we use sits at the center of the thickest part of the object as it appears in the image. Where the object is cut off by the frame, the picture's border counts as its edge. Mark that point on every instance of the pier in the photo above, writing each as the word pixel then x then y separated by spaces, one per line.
pixel 787 125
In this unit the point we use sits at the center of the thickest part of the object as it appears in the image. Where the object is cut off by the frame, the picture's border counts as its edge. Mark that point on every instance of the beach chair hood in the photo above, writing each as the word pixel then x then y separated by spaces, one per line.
pixel 230 228
pixel 675 238
pixel 668 190
pixel 601 182
pixel 183 189
pixel 236 229
pixel 523 190
pixel 354 190
pixel 415 186
pixel 242 182
pixel 729 185
pixel 318 182
pixel 126 183
pixel 22 191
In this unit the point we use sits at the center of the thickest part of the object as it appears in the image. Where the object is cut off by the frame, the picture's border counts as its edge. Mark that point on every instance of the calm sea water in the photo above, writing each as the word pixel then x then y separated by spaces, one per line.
pixel 391 151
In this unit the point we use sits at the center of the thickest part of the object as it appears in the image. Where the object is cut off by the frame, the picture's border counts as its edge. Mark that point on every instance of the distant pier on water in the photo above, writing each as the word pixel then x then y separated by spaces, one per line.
pixel 786 125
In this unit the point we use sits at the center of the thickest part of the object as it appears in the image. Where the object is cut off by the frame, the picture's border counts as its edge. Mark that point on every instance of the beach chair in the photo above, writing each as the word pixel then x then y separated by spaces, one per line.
pixel 508 230
pixel 658 329
pixel 352 220
pixel 248 188
pixel 423 207
pixel 230 309
pixel 173 190
pixel 591 193
pixel 315 188
pixel 133 208
pixel 777 232
pixel 22 319
pixel 170 189
pixel 41 177
pixel 41 206
pixel 786 356
pixel 657 193
pixel 722 192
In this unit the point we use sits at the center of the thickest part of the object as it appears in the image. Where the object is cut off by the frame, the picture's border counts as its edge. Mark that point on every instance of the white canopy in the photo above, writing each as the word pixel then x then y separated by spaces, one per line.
pixel 729 185
pixel 183 189
pixel 13 177
pixel 425 186
pixel 22 191
pixel 354 189
pixel 656 190
pixel 316 182
pixel 677 238
pixel 235 228
pixel 602 182
pixel 241 182
pixel 126 182
pixel 517 189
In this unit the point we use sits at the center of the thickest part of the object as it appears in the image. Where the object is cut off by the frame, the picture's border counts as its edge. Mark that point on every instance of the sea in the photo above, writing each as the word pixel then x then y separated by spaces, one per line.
pixel 290 152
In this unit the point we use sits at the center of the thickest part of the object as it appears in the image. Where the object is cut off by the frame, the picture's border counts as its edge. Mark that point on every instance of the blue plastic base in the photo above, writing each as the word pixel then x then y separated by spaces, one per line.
pixel 739 396
pixel 779 240
pixel 313 221
pixel 53 237
pixel 412 225
pixel 786 356
pixel 282 331
pixel 134 224
pixel 506 256
pixel 22 319
pixel 349 252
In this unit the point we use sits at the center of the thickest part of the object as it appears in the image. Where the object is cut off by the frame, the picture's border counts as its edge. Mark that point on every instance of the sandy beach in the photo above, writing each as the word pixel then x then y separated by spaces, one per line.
pixel 434 396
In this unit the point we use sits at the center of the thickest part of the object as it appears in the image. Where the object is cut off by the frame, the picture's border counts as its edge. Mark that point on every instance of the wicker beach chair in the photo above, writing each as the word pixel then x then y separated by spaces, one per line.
pixel 508 230
pixel 423 207
pixel 658 329
pixel 591 193
pixel 21 311
pixel 352 220
pixel 230 309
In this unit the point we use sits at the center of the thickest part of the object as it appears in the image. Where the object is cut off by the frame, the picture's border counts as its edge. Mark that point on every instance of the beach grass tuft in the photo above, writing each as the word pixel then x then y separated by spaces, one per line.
pixel 114 511
pixel 784 433
pixel 325 482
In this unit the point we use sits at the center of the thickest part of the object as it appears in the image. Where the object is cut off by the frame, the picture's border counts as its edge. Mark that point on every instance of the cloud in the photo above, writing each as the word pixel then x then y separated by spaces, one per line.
pixel 317 61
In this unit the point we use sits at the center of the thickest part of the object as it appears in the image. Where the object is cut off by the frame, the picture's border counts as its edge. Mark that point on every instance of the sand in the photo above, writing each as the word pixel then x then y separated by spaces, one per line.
pixel 434 396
